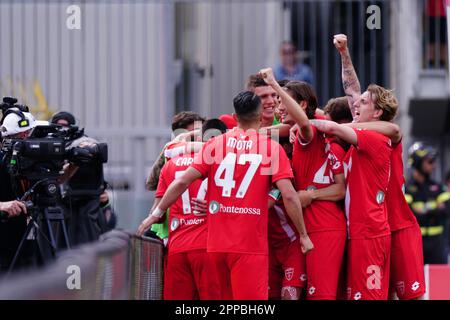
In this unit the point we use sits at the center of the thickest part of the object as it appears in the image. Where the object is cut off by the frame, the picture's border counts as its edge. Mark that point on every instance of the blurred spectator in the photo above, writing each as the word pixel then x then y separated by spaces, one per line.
pixel 290 67
pixel 436 25
pixel 429 202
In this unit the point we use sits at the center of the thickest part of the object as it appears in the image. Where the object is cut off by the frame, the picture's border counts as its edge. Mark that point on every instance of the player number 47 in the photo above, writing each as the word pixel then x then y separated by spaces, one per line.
pixel 226 168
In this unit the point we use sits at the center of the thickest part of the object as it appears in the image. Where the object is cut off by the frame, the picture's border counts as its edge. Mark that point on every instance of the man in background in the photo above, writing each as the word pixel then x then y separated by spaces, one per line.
pixel 290 68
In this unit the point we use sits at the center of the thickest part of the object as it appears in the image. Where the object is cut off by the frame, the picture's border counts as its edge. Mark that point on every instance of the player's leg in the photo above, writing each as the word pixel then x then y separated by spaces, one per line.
pixel 249 276
pixel 368 268
pixel 342 283
pixel 222 270
pixel 324 264
pixel 407 273
pixel 275 275
pixel 294 272
pixel 204 272
pixel 179 282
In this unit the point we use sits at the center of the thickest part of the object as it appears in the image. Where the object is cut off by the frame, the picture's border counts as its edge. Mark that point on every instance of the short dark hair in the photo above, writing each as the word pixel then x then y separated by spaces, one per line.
pixel 247 106
pixel 302 91
pixel 254 81
pixel 212 128
pixel 338 110
pixel 185 118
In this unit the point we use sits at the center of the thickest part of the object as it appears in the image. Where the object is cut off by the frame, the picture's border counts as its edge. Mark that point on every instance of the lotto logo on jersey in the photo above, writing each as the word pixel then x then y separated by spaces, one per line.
pixel 415 286
pixel 357 296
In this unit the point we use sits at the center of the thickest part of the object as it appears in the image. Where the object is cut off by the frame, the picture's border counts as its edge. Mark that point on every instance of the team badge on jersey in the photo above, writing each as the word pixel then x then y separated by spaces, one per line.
pixel 288 273
pixel 401 287
pixel 380 197
pixel 214 207
pixel 174 224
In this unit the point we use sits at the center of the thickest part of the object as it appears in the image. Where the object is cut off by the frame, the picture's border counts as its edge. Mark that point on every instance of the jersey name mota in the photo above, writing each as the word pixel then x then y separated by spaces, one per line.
pixel 239 144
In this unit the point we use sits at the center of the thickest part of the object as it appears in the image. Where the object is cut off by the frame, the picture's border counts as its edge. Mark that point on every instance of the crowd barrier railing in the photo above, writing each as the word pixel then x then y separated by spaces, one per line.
pixel 119 266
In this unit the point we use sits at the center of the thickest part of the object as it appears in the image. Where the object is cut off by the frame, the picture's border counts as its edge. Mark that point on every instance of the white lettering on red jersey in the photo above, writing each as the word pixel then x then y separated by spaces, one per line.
pixel 314 166
pixel 187 229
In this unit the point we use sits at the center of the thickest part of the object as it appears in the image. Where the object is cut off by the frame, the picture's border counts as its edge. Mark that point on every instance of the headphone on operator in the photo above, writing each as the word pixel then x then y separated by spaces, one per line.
pixel 23 121
pixel 9 106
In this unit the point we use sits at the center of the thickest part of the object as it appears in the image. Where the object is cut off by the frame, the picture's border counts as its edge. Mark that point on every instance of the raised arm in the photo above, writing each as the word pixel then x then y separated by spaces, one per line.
pixel 346 133
pixel 293 108
pixel 282 129
pixel 385 128
pixel 350 80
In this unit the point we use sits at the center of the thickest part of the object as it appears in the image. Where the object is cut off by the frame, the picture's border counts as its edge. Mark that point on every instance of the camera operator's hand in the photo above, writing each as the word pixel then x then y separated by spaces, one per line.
pixel 13 208
pixel 104 198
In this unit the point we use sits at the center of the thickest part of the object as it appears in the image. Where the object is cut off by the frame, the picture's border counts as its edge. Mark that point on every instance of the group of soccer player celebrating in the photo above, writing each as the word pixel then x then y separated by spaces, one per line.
pixel 310 208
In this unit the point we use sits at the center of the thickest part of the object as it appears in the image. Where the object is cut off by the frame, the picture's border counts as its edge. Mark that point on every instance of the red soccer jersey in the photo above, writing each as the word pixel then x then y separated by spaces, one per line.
pixel 367 170
pixel 240 166
pixel 281 228
pixel 339 153
pixel 187 230
pixel 175 150
pixel 314 166
pixel 399 213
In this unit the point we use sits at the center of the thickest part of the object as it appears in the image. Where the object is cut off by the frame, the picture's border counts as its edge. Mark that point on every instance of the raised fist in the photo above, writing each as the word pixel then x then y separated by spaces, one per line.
pixel 267 75
pixel 340 42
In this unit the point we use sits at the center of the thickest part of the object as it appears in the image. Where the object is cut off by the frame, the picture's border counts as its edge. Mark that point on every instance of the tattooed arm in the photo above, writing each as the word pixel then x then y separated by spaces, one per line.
pixel 350 80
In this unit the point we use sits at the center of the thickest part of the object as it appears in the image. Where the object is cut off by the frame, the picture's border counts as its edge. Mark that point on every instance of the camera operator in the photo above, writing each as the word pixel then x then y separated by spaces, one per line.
pixel 13 221
pixel 89 215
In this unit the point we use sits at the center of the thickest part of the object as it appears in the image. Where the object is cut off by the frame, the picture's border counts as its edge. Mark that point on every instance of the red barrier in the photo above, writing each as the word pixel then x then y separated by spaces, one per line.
pixel 438 281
